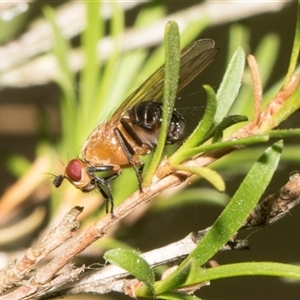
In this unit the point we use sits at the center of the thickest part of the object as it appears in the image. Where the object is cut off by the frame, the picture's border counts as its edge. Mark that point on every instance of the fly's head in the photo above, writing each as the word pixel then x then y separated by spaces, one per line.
pixel 76 173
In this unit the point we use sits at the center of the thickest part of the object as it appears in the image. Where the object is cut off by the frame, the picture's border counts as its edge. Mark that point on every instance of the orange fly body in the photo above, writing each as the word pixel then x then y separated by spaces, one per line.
pixel 134 128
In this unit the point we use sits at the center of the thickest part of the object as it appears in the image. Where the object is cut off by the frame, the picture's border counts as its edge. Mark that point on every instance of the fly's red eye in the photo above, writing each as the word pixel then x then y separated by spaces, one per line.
pixel 73 170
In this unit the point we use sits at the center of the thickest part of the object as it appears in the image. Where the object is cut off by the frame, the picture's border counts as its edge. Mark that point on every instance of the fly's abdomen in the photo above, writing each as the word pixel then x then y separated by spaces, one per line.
pixel 143 123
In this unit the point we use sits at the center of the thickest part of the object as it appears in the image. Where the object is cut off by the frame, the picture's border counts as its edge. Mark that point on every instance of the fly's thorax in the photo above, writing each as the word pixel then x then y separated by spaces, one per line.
pixel 97 135
pixel 103 148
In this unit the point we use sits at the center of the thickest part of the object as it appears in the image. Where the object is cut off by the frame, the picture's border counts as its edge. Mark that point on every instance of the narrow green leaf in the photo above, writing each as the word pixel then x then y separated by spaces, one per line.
pixel 149 15
pixel 207 120
pixel 201 130
pixel 61 49
pixel 226 123
pixel 218 135
pixel 217 107
pixel 249 140
pixel 17 164
pixel 295 51
pixel 89 76
pixel 133 263
pixel 172 67
pixel 193 196
pixel 265 58
pixel 193 30
pixel 239 36
pixel 284 133
pixel 188 35
pixel 173 281
pixel 238 208
pixel 230 85
pixel 245 269
pixel 104 104
pixel 232 120
pixel 66 81
pixel 211 176
pixel 291 105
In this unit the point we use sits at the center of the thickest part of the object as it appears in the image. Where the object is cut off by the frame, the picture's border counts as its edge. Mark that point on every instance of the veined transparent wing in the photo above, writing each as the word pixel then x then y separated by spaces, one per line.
pixel 194 59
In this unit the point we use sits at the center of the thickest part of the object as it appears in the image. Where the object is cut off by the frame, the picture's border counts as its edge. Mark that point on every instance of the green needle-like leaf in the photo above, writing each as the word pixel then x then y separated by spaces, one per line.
pixel 237 210
pixel 245 269
pixel 240 205
pixel 66 81
pixel 212 176
pixel 201 130
pixel 249 140
pixel 295 51
pixel 173 281
pixel 133 263
pixel 172 67
pixel 230 85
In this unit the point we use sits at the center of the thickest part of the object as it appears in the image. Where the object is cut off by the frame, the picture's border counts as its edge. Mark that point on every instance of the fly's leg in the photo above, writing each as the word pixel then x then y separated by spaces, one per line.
pixel 104 181
pixel 129 152
pixel 109 197
pixel 132 133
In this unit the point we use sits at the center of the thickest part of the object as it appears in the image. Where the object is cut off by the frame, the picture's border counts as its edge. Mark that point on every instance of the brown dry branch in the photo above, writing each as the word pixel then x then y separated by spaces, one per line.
pixel 60 280
pixel 265 120
pixel 277 205
pixel 15 272
pixel 96 231
pixel 112 278
pixel 33 289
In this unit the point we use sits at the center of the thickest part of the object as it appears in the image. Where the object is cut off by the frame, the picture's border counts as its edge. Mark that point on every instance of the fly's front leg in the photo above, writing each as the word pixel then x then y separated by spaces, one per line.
pixel 107 182
pixel 104 181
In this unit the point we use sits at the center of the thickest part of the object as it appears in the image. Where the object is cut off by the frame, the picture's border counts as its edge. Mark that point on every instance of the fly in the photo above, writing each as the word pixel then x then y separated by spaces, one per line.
pixel 134 128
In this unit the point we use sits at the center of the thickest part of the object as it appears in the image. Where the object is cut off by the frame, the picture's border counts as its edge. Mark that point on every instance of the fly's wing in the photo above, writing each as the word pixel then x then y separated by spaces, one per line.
pixel 194 59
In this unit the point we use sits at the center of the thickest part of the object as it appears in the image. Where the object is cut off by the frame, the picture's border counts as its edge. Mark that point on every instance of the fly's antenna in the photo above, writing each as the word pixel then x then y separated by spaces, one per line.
pixel 58 180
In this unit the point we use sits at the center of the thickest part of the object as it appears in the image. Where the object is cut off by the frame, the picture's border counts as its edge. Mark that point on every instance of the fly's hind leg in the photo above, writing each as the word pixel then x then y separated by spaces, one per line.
pixel 129 152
